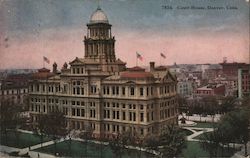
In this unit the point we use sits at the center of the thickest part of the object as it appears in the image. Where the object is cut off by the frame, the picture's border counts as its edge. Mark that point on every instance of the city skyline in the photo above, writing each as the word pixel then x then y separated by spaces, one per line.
pixel 54 29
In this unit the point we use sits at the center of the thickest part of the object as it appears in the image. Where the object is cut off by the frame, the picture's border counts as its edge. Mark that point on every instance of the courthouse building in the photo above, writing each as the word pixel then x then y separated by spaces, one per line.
pixel 98 91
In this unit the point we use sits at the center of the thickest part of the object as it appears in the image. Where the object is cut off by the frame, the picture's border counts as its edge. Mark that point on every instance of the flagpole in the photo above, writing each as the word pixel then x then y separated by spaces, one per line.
pixel 160 60
pixel 136 60
pixel 43 63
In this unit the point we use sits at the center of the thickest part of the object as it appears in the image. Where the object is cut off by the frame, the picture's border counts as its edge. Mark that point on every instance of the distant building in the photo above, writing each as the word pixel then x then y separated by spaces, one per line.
pixel 243 82
pixel 14 88
pixel 212 72
pixel 231 69
pixel 211 90
pixel 231 84
pixel 185 87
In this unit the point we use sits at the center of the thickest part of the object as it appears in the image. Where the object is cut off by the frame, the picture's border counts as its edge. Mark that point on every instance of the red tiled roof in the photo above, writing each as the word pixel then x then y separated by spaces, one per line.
pixel 137 74
pixel 42 74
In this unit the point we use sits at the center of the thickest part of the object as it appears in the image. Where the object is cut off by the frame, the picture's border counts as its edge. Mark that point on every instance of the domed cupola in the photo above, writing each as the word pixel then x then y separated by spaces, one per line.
pixel 98 17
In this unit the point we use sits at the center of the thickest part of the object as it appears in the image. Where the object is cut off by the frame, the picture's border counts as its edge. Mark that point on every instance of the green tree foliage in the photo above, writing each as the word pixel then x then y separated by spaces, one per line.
pixel 10 117
pixel 169 143
pixel 117 145
pixel 53 124
pixel 86 135
pixel 172 140
pixel 232 128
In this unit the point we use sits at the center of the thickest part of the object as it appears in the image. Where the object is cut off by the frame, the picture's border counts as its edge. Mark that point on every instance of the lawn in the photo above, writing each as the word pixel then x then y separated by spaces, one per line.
pixel 20 140
pixel 205 125
pixel 78 149
pixel 194 149
pixel 186 132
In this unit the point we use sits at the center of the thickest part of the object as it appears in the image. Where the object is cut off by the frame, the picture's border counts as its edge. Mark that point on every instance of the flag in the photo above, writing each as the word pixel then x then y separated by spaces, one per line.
pixel 162 55
pixel 139 56
pixel 46 59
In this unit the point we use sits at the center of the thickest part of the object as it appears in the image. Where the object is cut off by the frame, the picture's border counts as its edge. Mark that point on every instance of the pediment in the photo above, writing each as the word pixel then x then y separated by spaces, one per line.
pixel 169 78
pixel 76 61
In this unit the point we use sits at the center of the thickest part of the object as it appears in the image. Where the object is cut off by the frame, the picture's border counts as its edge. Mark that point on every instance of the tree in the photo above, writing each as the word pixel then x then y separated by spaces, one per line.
pixel 117 145
pixel 182 102
pixel 172 140
pixel 10 118
pixel 233 127
pixel 53 124
pixel 228 104
pixel 40 127
pixel 86 135
pixel 210 106
pixel 211 143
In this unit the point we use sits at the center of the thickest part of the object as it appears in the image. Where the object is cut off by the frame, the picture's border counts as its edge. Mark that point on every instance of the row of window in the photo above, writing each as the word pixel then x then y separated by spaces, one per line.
pixel 78 89
pixel 16 91
pixel 166 113
pixel 116 90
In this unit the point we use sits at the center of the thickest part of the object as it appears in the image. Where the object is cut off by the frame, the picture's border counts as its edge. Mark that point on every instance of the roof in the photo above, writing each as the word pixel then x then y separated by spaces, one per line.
pixel 136 68
pixel 99 17
pixel 162 68
pixel 137 75
pixel 210 87
pixel 42 74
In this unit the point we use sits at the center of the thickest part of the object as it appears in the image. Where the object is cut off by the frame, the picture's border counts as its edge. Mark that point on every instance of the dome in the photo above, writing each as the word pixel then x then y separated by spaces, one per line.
pixel 99 17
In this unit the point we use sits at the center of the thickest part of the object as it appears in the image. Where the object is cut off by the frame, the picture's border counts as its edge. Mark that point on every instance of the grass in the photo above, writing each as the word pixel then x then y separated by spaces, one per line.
pixel 78 149
pixel 187 132
pixel 205 125
pixel 20 140
pixel 194 149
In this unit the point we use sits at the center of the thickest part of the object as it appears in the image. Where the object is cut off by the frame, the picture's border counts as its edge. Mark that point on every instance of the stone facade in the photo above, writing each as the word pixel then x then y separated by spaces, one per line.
pixel 98 91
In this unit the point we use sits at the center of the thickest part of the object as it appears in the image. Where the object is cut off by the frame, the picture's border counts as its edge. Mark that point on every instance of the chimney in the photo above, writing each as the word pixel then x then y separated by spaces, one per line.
pixel 54 68
pixel 152 66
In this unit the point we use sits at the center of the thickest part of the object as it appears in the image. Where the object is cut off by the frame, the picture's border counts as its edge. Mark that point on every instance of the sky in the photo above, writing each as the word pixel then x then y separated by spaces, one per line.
pixel 31 29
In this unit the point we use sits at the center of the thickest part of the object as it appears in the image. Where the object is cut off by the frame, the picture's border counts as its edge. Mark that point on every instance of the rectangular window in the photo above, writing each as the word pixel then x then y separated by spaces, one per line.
pixel 113 90
pixel 141 107
pixel 113 114
pixel 123 90
pixel 104 90
pixel 82 91
pixel 142 117
pixel 117 115
pixel 117 90
pixel 123 115
pixel 152 116
pixel 132 91
pixel 130 116
pixel 108 90
pixel 82 112
pixel 78 112
pixel 141 91
pixel 108 113
pixel 73 111
pixel 134 116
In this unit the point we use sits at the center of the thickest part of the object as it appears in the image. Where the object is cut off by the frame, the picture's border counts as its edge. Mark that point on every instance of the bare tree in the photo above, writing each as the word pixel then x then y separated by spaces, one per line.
pixel 10 118
pixel 53 124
